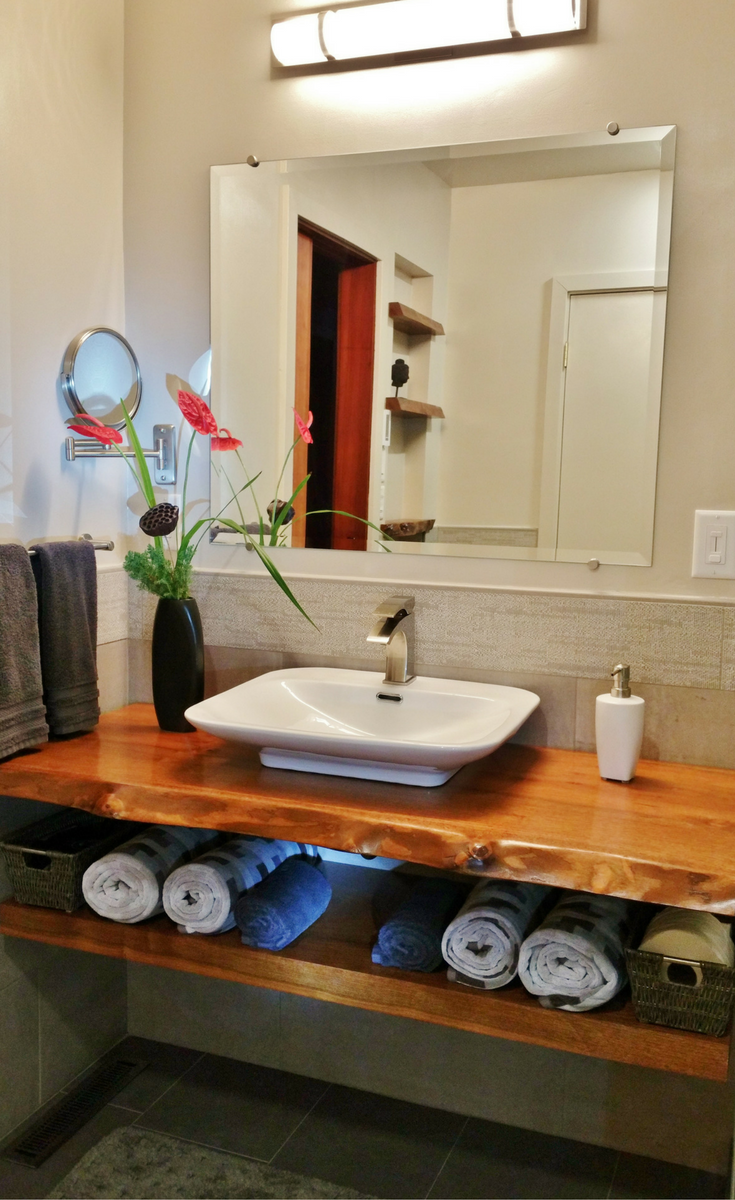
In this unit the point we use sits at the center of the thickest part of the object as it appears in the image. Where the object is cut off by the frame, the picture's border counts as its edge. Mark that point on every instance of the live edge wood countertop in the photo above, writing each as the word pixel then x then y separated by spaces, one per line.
pixel 522 813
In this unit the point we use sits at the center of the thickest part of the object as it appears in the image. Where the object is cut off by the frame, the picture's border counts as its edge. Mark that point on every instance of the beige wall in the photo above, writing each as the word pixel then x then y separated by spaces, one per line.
pixel 61 252
pixel 508 241
pixel 200 91
pixel 61 74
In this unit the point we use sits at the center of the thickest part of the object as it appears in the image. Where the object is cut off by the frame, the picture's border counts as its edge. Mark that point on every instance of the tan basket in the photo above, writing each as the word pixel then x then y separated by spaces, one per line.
pixel 45 861
pixel 681 993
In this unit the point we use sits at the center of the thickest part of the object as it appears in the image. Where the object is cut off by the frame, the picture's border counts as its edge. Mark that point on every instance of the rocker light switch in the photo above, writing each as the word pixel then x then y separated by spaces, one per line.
pixel 714 544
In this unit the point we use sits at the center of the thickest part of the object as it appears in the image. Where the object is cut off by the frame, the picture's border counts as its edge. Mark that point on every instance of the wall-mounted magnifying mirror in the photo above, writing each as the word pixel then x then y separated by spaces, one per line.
pixel 100 369
pixel 477 329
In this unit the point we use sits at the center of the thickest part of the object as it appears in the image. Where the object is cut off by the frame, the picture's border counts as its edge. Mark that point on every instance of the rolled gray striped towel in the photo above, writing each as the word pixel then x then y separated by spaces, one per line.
pixel 483 943
pixel 576 958
pixel 126 884
pixel 201 896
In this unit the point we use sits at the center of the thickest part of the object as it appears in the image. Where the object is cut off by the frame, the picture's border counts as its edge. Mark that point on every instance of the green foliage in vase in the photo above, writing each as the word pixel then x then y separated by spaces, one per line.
pixel 154 571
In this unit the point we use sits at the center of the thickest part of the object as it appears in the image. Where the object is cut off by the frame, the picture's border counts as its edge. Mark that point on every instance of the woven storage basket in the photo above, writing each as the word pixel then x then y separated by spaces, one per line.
pixel 45 861
pixel 681 993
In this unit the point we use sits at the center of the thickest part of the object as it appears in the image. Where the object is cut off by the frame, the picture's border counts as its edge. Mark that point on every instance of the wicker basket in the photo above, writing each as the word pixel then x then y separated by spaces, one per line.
pixel 681 993
pixel 45 861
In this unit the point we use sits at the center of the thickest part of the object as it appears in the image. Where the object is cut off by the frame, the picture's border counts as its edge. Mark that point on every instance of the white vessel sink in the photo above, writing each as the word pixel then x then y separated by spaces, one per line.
pixel 339 722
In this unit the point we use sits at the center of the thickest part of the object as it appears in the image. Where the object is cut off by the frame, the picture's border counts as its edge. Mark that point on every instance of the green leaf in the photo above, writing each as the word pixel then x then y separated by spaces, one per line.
pixel 145 475
pixel 194 529
pixel 315 512
pixel 270 568
pixel 284 511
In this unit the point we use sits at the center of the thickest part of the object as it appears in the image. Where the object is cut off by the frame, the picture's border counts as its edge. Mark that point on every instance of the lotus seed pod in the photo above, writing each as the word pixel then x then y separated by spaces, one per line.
pixel 159 521
pixel 279 509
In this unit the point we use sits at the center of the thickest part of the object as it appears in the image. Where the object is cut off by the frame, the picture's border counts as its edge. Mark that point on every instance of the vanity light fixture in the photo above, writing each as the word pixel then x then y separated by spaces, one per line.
pixel 406 26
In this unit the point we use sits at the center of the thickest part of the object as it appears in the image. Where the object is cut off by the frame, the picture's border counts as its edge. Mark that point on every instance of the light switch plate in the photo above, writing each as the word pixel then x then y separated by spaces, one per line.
pixel 714 544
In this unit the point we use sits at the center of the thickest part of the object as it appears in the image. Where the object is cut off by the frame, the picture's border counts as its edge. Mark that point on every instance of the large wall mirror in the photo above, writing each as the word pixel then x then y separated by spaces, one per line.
pixel 477 330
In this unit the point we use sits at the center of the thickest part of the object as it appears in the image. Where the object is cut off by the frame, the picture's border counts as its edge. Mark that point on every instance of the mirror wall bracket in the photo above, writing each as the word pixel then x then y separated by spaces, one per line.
pixel 164 454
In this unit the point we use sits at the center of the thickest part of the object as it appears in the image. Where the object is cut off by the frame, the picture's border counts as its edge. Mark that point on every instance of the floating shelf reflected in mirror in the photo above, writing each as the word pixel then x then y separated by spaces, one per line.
pixel 525 285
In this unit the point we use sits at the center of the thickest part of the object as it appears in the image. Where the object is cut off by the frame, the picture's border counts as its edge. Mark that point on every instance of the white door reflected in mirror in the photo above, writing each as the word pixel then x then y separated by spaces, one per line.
pixel 523 284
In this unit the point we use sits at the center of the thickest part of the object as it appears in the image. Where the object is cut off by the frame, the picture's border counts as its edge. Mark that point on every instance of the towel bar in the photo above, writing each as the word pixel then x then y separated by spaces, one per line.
pixel 86 537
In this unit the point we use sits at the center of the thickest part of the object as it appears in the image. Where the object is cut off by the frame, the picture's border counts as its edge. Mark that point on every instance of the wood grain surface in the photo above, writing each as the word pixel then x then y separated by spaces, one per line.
pixel 332 962
pixel 413 408
pixel 408 320
pixel 522 813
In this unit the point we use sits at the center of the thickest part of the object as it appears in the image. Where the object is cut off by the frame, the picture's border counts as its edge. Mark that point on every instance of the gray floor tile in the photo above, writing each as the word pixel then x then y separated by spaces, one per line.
pixel 638 1178
pixel 234 1106
pixel 166 1064
pixel 18 1182
pixel 500 1162
pixel 372 1143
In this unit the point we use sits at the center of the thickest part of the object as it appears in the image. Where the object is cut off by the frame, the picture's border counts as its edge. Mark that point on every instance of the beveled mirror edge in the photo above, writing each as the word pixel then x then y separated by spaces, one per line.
pixel 67 373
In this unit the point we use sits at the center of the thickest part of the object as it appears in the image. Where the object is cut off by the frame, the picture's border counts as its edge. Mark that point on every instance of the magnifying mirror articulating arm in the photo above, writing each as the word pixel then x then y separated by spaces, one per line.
pixel 164 454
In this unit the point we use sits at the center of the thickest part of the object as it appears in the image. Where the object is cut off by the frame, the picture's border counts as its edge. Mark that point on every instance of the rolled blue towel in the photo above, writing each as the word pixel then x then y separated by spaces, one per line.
pixel 412 938
pixel 274 913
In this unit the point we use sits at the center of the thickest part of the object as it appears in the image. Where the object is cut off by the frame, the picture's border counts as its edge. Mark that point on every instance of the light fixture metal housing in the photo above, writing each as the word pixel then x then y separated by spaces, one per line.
pixel 395 27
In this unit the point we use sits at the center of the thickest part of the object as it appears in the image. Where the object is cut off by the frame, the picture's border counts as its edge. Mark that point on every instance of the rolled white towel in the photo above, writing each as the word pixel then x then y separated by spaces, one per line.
pixel 126 884
pixel 687 933
pixel 576 959
pixel 483 942
pixel 201 896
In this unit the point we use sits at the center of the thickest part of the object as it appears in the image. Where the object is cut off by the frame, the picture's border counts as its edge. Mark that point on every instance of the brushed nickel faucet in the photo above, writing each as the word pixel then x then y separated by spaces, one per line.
pixel 395 629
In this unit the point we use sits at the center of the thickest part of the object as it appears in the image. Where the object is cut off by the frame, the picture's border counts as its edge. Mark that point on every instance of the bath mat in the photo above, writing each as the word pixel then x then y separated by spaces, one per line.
pixel 135 1164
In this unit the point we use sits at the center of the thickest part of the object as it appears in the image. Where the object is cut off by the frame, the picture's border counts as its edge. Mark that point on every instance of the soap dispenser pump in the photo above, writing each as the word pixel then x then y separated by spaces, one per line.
pixel 619 728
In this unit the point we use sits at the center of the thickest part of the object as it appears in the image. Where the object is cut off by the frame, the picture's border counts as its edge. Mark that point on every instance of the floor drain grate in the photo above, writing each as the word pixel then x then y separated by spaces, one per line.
pixel 56 1126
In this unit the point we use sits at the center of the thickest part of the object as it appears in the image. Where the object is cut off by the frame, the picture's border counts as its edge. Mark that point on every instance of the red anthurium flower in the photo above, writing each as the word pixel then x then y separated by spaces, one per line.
pixel 197 413
pixel 96 429
pixel 225 443
pixel 304 428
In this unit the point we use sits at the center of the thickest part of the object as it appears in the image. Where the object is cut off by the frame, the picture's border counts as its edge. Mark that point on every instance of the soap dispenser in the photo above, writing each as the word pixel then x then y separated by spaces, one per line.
pixel 619 728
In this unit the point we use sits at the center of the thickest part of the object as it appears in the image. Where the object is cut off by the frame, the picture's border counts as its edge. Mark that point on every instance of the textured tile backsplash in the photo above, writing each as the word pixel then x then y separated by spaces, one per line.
pixel 682 655
pixel 112 606
pixel 665 642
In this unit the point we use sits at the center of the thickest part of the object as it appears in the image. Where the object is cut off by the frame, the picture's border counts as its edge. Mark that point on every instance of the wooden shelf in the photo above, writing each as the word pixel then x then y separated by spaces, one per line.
pixel 406 529
pixel 407 320
pixel 412 408
pixel 331 961
pixel 522 813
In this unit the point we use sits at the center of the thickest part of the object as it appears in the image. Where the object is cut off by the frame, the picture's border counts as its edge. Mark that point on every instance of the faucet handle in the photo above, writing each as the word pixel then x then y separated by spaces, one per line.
pixel 395 606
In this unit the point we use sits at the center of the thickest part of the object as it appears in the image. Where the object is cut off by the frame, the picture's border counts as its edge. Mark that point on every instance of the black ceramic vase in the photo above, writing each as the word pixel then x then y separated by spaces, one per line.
pixel 178 663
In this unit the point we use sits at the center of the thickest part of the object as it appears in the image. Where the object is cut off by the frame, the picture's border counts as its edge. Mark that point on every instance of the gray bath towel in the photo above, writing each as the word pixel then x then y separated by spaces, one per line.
pixel 200 896
pixel 576 958
pixel 127 884
pixel 483 942
pixel 66 579
pixel 22 714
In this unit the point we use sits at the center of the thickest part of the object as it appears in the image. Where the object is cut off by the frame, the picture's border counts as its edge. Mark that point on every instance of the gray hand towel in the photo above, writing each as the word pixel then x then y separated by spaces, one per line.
pixel 66 579
pixel 22 715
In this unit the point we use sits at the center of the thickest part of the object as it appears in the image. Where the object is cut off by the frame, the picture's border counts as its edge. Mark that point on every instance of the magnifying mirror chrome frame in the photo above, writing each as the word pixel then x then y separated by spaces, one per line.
pixel 67 374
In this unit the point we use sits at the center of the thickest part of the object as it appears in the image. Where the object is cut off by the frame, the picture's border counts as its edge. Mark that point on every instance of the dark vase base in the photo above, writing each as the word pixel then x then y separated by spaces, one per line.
pixel 177 663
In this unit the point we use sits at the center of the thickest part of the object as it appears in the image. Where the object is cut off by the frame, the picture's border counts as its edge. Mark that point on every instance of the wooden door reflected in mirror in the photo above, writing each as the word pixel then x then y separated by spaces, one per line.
pixel 335 346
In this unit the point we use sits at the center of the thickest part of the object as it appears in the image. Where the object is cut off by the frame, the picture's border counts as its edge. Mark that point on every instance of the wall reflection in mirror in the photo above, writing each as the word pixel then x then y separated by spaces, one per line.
pixel 477 331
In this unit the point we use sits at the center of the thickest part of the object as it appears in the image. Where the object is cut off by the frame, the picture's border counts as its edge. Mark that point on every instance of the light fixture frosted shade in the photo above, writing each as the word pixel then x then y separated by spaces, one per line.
pixel 402 26
pixel 405 25
pixel 296 41
pixel 534 17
